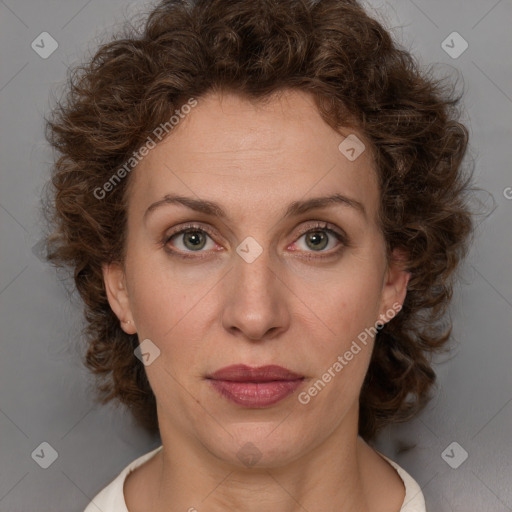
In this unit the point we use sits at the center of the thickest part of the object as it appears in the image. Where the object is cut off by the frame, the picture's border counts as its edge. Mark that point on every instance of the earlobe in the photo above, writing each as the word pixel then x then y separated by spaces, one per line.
pixel 395 285
pixel 117 295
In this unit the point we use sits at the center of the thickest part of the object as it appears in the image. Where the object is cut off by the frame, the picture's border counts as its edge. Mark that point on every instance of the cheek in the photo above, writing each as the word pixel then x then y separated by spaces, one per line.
pixel 345 307
pixel 353 310
pixel 172 307
pixel 160 295
pixel 341 359
pixel 345 302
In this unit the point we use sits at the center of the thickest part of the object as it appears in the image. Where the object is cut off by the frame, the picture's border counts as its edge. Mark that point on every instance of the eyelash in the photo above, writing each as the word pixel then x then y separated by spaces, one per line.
pixel 319 226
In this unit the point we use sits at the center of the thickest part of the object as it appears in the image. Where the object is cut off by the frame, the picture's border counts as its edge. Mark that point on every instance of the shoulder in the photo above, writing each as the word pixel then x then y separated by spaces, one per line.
pixel 414 500
pixel 111 498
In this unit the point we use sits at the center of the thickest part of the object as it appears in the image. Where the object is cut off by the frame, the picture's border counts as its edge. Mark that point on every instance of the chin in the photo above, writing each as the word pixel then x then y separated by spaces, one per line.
pixel 259 445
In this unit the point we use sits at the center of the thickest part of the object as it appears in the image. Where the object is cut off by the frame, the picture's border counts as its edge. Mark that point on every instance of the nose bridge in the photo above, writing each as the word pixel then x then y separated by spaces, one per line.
pixel 254 275
pixel 256 304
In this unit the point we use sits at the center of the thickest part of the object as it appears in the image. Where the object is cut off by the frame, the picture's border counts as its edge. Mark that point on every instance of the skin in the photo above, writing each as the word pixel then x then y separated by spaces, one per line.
pixel 215 309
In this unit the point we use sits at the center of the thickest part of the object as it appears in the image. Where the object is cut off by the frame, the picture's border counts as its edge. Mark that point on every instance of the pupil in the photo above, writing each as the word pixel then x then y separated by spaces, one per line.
pixel 317 237
pixel 194 239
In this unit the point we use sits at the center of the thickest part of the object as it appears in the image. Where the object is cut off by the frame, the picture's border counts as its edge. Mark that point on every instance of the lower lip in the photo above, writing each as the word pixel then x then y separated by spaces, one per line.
pixel 256 394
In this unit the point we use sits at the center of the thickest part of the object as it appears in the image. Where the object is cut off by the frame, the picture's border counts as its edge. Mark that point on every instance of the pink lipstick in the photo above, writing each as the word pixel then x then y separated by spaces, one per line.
pixel 255 387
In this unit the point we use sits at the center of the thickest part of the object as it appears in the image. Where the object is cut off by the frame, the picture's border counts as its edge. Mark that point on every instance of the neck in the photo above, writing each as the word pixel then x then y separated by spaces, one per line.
pixel 328 477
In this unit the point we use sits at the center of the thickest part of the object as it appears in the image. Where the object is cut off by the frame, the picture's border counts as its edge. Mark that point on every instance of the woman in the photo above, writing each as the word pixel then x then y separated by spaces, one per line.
pixel 263 206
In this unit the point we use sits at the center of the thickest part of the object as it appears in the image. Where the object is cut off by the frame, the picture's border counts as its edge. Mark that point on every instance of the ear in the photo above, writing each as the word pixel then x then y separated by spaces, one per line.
pixel 117 294
pixel 394 287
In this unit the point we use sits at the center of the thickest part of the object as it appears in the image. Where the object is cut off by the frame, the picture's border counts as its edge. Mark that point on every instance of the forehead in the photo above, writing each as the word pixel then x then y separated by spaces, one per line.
pixel 252 154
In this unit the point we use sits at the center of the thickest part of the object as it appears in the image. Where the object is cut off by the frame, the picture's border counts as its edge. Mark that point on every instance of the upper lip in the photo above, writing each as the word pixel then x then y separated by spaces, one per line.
pixel 244 373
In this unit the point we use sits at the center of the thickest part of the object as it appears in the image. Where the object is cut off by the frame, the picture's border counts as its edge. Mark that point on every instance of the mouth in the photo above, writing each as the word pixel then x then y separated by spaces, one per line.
pixel 255 387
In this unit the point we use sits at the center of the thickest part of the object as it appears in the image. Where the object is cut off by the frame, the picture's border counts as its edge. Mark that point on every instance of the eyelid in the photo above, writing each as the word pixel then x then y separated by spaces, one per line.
pixel 178 230
pixel 321 225
pixel 189 226
pixel 307 227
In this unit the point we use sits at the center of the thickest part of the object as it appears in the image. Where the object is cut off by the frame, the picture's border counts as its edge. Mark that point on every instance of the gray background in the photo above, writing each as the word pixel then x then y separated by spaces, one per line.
pixel 45 393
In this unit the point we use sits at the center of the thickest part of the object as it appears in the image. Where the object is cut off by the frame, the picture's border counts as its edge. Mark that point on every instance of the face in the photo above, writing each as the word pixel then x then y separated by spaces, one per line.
pixel 230 262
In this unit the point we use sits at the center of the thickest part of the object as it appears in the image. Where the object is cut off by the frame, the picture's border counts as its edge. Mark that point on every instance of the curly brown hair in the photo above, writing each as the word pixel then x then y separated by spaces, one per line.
pixel 349 63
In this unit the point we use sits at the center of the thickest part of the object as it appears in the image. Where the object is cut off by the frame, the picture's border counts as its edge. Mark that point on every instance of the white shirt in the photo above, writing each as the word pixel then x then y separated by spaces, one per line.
pixel 111 498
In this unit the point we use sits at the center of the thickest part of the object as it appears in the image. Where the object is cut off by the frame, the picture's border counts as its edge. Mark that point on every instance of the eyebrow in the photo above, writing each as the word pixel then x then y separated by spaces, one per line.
pixel 294 208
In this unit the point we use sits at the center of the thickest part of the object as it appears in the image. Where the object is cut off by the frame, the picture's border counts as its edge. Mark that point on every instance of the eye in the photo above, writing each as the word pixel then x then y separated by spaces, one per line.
pixel 189 239
pixel 320 238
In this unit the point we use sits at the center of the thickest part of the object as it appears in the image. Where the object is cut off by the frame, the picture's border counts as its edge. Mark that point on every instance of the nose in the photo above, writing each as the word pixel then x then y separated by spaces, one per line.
pixel 256 305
